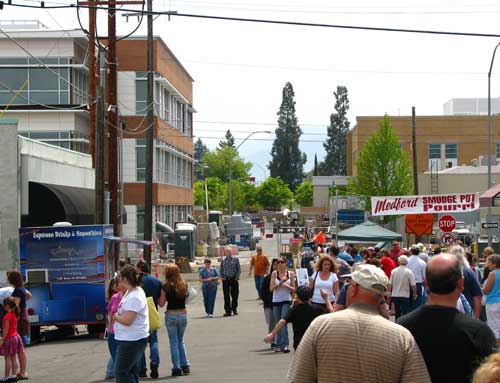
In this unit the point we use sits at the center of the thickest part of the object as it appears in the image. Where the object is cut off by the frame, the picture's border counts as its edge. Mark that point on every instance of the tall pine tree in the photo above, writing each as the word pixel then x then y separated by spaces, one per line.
pixel 287 160
pixel 316 170
pixel 335 162
pixel 229 141
pixel 200 149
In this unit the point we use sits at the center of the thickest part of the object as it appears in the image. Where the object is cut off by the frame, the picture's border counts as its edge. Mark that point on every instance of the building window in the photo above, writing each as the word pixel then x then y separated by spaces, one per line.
pixel 65 139
pixel 434 151
pixel 140 221
pixel 450 151
pixel 498 151
pixel 40 85
pixel 141 96
pixel 140 155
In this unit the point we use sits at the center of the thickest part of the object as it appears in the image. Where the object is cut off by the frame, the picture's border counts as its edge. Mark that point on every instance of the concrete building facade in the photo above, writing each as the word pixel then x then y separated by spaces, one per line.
pixel 172 130
pixel 43 76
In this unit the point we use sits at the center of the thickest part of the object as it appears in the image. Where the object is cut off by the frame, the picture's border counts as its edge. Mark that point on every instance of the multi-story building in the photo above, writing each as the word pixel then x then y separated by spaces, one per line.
pixel 43 81
pixel 441 141
pixel 172 130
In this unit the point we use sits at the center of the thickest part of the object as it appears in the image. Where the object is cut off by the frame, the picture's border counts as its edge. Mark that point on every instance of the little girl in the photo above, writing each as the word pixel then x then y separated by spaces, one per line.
pixel 11 344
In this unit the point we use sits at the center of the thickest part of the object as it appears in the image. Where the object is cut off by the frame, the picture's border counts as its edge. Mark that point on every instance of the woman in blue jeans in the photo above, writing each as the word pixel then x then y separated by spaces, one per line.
pixel 174 292
pixel 209 278
pixel 282 286
pixel 131 327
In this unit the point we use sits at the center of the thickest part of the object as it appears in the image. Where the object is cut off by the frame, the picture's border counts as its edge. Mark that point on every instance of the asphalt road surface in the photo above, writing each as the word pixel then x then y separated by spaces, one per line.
pixel 219 349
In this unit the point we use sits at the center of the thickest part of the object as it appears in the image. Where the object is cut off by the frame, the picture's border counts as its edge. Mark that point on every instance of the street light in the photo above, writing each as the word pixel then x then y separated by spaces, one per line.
pixel 231 168
pixel 489 133
pixel 206 188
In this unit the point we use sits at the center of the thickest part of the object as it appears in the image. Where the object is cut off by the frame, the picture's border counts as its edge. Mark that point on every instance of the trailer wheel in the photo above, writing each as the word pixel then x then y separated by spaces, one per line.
pixel 96 330
pixel 253 244
pixel 35 333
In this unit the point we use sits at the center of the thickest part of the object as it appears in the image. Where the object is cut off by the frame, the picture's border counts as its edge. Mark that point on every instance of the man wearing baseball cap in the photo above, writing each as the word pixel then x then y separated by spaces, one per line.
pixel 367 341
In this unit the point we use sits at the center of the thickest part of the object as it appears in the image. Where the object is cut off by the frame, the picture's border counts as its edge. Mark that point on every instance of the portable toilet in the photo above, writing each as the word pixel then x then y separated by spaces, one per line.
pixel 185 240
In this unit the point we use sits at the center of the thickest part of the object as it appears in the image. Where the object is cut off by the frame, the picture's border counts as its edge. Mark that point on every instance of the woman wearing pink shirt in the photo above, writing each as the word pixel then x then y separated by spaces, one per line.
pixel 114 295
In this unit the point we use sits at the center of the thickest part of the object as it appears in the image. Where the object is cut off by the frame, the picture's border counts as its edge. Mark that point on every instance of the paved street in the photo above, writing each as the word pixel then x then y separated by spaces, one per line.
pixel 219 349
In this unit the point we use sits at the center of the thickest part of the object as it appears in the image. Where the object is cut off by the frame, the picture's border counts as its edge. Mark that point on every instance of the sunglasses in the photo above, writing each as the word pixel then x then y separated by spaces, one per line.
pixel 280 262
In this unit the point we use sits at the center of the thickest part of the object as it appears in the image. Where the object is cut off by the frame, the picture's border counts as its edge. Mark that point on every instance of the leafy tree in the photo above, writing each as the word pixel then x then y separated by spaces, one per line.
pixel 287 160
pixel 273 193
pixel 200 149
pixel 304 194
pixel 383 168
pixel 229 141
pixel 316 170
pixel 216 193
pixel 217 164
pixel 335 162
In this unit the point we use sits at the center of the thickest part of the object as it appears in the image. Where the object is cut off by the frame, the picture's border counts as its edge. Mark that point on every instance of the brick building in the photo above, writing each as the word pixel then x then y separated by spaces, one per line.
pixel 173 133
pixel 441 141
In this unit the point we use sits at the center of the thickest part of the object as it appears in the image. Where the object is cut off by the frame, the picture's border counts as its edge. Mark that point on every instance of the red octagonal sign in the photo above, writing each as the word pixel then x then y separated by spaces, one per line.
pixel 447 223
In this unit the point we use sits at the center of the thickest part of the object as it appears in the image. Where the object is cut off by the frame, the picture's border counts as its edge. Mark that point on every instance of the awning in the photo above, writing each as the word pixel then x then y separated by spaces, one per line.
pixel 490 197
pixel 368 232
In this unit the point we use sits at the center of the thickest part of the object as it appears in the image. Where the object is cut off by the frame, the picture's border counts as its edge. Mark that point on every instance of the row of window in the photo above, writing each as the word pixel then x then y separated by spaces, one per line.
pixel 170 168
pixel 167 106
pixel 168 214
pixel 69 140
pixel 39 85
pixel 450 151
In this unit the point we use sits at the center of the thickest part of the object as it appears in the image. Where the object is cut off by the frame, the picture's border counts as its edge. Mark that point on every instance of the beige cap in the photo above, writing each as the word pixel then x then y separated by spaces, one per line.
pixel 403 260
pixel 370 278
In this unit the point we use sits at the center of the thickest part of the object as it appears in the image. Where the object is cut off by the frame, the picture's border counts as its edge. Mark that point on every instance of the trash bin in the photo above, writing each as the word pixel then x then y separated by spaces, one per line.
pixel 185 241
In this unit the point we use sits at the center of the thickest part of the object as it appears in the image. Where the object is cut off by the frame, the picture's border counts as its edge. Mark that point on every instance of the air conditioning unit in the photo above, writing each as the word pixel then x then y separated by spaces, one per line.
pixel 37 276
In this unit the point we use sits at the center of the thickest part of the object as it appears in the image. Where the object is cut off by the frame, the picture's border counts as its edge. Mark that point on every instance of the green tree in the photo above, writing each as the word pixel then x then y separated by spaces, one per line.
pixel 217 164
pixel 383 168
pixel 216 193
pixel 273 193
pixel 229 141
pixel 200 149
pixel 287 160
pixel 335 162
pixel 315 170
pixel 304 194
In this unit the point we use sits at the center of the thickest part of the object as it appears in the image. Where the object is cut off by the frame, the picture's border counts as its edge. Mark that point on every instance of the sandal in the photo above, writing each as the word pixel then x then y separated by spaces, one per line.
pixel 20 377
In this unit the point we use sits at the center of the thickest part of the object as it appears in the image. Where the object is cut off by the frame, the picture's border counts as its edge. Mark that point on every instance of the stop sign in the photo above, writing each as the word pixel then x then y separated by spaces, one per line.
pixel 447 223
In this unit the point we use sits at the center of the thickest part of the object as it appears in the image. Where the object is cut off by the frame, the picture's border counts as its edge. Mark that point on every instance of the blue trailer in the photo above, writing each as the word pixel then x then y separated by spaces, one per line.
pixel 67 269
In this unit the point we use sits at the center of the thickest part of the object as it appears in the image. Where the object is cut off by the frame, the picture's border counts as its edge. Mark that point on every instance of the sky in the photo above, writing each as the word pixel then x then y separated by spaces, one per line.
pixel 241 68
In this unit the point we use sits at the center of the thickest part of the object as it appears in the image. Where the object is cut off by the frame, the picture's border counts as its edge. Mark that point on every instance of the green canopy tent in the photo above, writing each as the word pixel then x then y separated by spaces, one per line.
pixel 368 232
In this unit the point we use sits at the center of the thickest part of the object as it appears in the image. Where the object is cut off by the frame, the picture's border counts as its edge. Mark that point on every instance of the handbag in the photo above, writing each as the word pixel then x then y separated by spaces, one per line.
pixel 191 294
pixel 154 316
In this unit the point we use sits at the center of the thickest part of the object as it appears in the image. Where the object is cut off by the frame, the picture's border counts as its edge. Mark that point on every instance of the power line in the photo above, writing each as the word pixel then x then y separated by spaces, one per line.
pixel 275 22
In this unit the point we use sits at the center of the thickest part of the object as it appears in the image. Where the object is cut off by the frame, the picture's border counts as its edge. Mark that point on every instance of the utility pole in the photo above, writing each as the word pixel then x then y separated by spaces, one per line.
pixel 414 149
pixel 100 117
pixel 113 118
pixel 92 88
pixel 148 187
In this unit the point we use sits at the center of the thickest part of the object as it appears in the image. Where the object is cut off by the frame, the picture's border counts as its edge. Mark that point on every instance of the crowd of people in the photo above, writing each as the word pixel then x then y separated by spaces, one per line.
pixel 437 300
pixel 130 328
pixel 440 331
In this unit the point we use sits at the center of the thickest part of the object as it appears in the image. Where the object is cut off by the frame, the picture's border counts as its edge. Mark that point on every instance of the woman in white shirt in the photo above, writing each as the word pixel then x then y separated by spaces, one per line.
pixel 325 277
pixel 131 327
pixel 283 286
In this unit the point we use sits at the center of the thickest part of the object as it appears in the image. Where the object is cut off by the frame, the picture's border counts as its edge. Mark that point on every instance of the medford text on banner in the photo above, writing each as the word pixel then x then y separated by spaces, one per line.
pixel 418 204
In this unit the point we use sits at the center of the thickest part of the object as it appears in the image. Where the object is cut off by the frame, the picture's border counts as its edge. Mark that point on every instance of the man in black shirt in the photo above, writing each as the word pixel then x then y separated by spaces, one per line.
pixel 452 344
pixel 301 315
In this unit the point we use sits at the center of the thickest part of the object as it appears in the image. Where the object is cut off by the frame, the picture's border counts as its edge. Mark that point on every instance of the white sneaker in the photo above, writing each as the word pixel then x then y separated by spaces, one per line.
pixel 207 315
pixel 210 316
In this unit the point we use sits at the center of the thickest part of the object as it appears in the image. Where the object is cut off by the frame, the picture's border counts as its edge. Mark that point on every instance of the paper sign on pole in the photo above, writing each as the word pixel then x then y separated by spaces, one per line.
pixel 302 277
pixel 428 204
